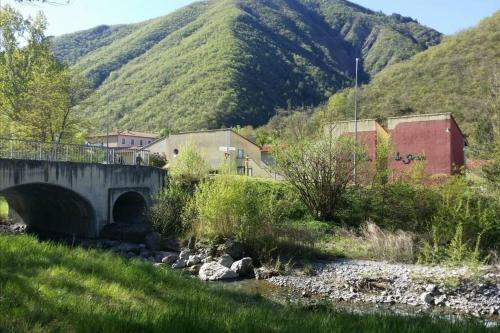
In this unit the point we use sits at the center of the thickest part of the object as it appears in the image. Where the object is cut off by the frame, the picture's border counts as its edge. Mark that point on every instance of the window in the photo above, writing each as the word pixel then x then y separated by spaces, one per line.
pixel 241 154
pixel 132 142
pixel 141 143
pixel 123 141
pixel 176 151
pixel 149 141
pixel 241 171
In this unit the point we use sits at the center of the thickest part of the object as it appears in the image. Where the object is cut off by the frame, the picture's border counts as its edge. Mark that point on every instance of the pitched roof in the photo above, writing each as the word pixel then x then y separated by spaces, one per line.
pixel 129 133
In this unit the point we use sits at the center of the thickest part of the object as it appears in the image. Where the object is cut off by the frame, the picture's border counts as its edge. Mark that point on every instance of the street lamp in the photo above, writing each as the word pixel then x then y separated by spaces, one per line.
pixel 355 122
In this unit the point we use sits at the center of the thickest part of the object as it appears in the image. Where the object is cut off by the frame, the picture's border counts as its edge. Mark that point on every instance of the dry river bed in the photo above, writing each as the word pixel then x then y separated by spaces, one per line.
pixel 474 292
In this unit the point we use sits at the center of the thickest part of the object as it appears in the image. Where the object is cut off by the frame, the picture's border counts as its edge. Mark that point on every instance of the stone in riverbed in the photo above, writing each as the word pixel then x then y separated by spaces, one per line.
pixel 193 260
pixel 214 271
pixel 180 263
pixel 440 300
pixel 170 259
pixel 427 298
pixel 184 255
pixel 244 267
pixel 232 248
pixel 226 260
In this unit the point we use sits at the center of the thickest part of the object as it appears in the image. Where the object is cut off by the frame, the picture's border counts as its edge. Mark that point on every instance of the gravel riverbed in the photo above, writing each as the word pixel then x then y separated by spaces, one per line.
pixel 463 290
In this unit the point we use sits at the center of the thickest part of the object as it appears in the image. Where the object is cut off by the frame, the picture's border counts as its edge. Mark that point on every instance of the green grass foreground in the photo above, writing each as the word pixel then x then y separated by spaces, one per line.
pixel 45 287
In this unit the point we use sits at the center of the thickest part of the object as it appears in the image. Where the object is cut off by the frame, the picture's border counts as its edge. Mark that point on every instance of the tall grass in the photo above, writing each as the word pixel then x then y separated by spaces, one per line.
pixel 392 246
pixel 4 210
pixel 46 287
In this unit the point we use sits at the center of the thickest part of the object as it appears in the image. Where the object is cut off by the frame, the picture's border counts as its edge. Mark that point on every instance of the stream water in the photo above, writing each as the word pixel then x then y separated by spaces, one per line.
pixel 286 296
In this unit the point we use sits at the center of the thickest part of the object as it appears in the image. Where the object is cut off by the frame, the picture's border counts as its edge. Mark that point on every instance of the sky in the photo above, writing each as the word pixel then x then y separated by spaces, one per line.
pixel 447 16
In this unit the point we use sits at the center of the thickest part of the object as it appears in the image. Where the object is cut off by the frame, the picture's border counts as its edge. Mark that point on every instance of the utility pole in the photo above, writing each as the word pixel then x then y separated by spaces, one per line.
pixel 356 122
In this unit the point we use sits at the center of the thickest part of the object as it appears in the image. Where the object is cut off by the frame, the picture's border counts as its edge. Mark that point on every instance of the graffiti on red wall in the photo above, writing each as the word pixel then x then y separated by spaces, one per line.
pixel 409 158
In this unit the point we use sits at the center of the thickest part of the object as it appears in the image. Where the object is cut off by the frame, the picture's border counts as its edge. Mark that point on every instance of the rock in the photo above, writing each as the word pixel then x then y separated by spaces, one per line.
pixel 133 233
pixel 207 259
pixel 158 264
pixel 170 245
pixel 170 259
pixel 180 263
pixel 153 241
pixel 427 298
pixel 244 267
pixel 431 288
pixel 194 270
pixel 264 273
pixel 214 271
pixel 184 255
pixel 232 248
pixel 226 260
pixel 440 300
pixel 159 255
pixel 193 260
pixel 305 294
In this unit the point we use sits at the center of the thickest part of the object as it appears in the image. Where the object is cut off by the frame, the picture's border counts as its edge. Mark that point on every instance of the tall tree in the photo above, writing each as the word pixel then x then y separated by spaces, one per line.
pixel 38 95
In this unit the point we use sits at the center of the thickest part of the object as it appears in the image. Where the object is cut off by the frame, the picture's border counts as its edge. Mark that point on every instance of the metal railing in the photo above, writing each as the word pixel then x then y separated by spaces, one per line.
pixel 57 152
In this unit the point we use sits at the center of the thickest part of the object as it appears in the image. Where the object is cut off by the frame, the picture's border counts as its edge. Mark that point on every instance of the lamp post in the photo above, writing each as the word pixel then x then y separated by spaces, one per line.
pixel 355 123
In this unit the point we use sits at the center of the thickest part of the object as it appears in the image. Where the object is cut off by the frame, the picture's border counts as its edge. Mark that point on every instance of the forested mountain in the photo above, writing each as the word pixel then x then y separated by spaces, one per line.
pixel 461 75
pixel 227 62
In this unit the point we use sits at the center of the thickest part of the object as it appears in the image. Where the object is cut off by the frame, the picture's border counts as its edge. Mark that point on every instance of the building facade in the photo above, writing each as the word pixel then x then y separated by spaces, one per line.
pixel 433 138
pixel 124 139
pixel 216 147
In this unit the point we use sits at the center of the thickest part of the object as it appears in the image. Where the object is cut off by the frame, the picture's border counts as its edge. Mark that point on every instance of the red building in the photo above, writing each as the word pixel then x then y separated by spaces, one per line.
pixel 434 138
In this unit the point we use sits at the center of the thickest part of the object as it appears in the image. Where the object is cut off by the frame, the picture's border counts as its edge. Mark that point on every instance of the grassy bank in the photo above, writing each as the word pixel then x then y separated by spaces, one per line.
pixel 51 288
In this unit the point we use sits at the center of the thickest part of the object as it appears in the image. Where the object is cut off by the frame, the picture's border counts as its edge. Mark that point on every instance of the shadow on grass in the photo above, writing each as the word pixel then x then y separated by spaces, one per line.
pixel 46 287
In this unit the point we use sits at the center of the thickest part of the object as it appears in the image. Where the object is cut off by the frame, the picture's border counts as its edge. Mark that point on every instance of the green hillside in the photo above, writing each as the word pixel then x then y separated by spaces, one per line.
pixel 461 75
pixel 227 62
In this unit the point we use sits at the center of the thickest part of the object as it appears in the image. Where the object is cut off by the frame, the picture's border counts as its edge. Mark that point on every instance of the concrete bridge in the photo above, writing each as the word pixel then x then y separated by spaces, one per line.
pixel 77 198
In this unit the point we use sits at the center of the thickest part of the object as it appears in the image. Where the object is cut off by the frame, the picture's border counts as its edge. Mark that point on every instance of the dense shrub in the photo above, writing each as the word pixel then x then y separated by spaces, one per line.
pixel 465 226
pixel 258 212
pixel 396 206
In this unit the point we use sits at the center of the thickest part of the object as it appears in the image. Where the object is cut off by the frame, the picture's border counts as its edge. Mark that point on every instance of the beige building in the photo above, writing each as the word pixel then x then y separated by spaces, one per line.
pixel 125 139
pixel 216 147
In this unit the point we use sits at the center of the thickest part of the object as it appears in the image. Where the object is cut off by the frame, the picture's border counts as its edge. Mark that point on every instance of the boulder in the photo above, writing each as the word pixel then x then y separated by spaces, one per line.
pixel 133 233
pixel 234 249
pixel 159 255
pixel 180 263
pixel 184 255
pixel 427 298
pixel 194 270
pixel 170 259
pixel 440 300
pixel 432 288
pixel 207 259
pixel 244 267
pixel 193 260
pixel 214 271
pixel 153 241
pixel 226 261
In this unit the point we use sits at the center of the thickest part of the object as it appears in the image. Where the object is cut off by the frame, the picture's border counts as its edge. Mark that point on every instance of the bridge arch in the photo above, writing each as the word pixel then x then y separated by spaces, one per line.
pixel 51 209
pixel 130 208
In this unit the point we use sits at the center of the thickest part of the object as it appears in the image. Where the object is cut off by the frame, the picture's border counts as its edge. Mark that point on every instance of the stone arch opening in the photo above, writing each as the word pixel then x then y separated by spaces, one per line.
pixel 130 208
pixel 51 210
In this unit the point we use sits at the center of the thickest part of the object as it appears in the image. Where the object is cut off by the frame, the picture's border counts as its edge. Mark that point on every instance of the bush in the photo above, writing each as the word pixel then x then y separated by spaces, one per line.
pixel 396 206
pixel 166 212
pixel 255 211
pixel 465 226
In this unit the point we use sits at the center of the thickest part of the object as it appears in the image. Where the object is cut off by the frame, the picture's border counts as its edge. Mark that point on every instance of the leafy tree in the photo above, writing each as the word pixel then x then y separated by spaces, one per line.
pixel 320 170
pixel 39 95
